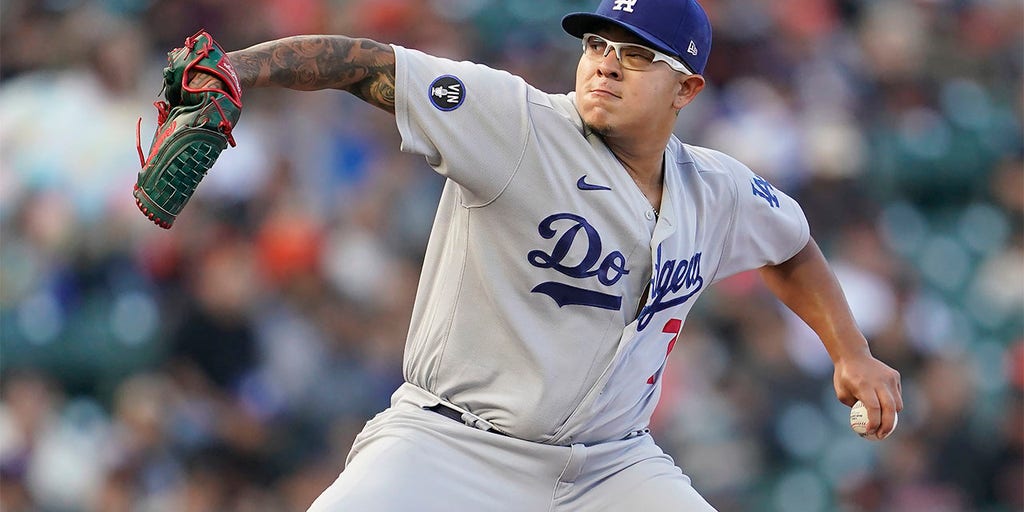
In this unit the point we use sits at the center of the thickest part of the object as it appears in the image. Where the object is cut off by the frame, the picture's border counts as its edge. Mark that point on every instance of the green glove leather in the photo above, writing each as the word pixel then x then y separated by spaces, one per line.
pixel 195 126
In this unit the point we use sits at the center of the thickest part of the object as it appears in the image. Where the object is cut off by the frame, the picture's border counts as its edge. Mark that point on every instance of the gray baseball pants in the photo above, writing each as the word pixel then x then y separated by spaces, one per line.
pixel 408 458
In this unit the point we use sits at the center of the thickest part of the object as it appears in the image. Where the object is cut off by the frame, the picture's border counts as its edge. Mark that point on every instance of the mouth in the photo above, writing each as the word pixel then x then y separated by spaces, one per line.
pixel 604 93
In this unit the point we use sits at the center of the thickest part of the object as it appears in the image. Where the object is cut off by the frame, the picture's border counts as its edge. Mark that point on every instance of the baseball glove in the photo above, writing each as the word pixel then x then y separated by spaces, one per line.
pixel 195 125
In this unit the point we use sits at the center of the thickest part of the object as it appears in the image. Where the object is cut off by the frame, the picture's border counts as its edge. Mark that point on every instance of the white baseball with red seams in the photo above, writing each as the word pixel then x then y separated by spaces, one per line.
pixel 859 421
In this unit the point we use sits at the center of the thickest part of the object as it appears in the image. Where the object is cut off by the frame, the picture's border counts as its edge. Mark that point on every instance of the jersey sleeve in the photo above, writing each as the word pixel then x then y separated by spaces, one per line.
pixel 469 121
pixel 769 227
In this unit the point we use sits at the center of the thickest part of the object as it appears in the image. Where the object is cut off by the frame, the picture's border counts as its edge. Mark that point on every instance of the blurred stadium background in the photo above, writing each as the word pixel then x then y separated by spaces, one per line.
pixel 227 364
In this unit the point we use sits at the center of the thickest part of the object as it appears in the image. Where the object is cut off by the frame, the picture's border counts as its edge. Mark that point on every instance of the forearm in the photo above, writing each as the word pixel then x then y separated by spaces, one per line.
pixel 363 67
pixel 808 287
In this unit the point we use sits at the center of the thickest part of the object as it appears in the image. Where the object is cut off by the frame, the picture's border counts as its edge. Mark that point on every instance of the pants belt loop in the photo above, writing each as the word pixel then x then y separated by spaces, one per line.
pixel 574 466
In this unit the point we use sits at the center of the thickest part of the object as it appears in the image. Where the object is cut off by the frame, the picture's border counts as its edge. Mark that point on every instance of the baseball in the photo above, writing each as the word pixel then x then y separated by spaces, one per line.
pixel 859 421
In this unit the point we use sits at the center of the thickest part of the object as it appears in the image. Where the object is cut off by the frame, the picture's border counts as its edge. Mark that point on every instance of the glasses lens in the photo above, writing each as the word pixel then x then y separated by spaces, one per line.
pixel 631 56
pixel 595 46
pixel 635 57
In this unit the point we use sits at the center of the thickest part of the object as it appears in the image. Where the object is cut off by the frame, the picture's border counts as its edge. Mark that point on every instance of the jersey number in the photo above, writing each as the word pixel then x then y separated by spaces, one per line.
pixel 671 327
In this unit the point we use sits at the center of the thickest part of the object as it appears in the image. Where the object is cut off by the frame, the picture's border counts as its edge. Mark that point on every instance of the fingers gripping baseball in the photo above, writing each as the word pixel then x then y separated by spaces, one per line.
pixel 877 386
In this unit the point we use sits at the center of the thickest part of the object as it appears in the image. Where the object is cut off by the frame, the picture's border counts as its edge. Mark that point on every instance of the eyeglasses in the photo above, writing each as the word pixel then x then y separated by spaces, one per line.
pixel 631 56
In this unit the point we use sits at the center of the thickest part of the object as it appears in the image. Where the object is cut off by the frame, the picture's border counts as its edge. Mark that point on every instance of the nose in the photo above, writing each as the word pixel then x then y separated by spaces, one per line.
pixel 610 65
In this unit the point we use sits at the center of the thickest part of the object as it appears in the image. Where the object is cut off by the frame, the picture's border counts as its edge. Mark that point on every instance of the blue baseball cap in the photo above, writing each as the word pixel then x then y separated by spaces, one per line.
pixel 676 27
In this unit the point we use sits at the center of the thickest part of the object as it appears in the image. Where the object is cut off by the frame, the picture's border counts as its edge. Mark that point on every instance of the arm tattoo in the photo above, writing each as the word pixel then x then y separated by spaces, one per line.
pixel 362 67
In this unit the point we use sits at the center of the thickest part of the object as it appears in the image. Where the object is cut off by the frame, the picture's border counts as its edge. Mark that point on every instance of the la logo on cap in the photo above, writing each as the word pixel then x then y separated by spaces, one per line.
pixel 624 5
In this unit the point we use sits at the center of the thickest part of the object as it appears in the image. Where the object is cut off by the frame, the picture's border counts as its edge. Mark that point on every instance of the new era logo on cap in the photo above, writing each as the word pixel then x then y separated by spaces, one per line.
pixel 676 27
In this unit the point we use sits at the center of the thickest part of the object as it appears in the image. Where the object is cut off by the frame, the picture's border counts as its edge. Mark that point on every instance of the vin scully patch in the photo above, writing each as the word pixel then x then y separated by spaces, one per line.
pixel 447 93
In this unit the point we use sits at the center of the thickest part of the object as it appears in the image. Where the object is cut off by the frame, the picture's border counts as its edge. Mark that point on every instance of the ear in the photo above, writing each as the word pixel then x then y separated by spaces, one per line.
pixel 689 87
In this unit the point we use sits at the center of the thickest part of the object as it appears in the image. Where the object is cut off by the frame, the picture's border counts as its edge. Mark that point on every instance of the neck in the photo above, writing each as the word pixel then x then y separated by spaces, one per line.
pixel 645 164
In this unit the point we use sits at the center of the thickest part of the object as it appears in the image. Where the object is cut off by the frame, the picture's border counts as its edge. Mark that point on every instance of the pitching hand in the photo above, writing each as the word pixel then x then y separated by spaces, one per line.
pixel 873 382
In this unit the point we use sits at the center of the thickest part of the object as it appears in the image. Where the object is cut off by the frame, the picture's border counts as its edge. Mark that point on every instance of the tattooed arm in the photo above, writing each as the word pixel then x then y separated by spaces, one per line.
pixel 362 67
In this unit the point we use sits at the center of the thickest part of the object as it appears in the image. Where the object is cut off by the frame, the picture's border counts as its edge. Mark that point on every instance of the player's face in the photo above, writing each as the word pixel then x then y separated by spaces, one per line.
pixel 615 101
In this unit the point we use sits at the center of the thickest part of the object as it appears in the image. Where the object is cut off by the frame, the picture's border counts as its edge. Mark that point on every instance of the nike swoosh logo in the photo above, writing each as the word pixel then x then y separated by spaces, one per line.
pixel 583 185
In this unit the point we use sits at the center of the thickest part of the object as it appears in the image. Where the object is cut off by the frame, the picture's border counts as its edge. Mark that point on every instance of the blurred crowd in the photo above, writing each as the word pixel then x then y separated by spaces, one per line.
pixel 227 363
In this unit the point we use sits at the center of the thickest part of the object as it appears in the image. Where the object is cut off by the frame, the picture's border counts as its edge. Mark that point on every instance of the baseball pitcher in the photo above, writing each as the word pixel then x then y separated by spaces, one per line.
pixel 574 234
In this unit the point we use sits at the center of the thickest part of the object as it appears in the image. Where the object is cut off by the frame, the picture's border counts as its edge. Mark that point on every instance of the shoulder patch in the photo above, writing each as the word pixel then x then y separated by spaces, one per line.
pixel 447 93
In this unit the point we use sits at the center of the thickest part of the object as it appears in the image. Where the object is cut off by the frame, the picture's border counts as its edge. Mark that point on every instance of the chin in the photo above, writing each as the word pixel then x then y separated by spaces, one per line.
pixel 598 124
pixel 600 129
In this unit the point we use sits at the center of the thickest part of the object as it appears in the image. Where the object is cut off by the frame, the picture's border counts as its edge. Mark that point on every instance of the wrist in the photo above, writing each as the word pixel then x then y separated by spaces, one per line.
pixel 247 74
pixel 850 353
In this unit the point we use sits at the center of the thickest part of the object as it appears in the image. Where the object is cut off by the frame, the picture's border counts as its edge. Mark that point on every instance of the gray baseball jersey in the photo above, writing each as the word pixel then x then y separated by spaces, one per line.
pixel 551 291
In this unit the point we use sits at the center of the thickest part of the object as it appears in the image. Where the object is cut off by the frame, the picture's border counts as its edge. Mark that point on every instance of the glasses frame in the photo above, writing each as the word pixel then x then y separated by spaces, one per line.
pixel 672 62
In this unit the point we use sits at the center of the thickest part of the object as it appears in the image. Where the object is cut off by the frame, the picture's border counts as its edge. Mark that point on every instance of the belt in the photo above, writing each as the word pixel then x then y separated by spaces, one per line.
pixel 454 414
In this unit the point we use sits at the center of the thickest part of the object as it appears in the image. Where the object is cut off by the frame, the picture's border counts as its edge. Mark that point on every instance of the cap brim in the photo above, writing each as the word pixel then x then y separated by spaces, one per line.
pixel 579 23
